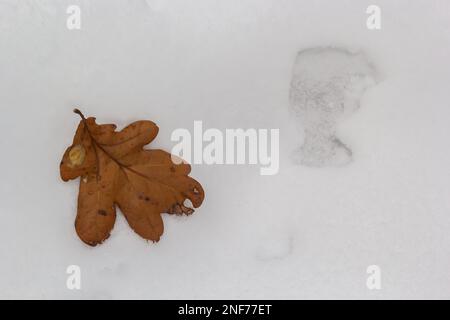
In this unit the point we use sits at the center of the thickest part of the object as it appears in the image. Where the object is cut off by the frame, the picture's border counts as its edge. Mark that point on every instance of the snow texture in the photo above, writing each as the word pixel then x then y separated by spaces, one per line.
pixel 326 84
pixel 304 233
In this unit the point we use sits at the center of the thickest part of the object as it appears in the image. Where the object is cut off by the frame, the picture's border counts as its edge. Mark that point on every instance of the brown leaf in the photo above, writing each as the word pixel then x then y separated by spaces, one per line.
pixel 115 169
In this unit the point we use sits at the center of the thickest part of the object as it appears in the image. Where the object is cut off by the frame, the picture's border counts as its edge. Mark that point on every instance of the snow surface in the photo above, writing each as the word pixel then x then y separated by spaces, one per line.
pixel 327 83
pixel 303 233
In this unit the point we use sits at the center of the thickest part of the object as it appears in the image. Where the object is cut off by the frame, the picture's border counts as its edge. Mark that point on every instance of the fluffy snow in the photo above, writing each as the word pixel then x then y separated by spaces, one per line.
pixel 303 233
pixel 327 83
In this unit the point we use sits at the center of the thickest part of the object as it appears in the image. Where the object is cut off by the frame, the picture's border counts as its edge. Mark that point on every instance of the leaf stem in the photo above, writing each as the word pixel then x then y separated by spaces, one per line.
pixel 77 111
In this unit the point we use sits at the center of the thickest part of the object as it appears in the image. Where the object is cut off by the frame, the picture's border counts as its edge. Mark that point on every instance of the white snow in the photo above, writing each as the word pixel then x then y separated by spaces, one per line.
pixel 303 233
pixel 327 83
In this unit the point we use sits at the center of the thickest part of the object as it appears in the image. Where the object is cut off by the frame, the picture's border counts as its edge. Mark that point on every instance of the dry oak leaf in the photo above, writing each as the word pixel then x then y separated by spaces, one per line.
pixel 114 169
